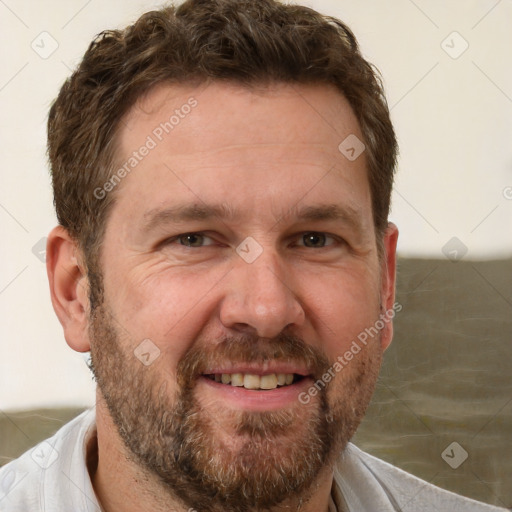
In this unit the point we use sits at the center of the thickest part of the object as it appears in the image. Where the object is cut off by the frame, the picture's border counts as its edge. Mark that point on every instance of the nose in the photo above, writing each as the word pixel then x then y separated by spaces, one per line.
pixel 260 298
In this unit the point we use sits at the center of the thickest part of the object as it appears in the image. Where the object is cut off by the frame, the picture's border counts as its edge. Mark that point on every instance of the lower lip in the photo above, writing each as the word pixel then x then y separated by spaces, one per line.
pixel 253 400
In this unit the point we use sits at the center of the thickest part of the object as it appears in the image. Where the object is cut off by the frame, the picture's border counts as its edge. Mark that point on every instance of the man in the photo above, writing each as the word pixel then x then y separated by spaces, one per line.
pixel 222 175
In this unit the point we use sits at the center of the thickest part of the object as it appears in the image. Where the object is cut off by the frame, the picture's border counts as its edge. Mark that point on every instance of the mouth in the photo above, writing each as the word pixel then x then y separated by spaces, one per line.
pixel 254 386
pixel 256 382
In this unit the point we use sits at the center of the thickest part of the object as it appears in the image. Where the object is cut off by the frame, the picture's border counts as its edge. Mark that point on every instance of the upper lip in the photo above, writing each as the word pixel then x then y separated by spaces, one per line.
pixel 258 368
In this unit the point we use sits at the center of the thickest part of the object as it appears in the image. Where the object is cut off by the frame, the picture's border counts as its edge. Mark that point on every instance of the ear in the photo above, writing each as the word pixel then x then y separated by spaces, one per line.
pixel 69 287
pixel 388 273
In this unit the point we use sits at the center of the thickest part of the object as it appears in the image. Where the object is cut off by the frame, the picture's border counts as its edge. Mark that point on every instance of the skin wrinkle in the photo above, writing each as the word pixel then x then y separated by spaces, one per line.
pixel 258 129
pixel 183 431
pixel 176 214
pixel 167 432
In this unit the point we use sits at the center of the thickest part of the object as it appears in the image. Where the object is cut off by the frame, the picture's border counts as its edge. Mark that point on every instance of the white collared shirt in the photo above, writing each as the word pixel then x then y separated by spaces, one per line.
pixel 53 476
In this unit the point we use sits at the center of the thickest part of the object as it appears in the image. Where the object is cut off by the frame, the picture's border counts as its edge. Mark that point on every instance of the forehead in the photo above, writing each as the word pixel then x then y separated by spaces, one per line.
pixel 218 114
pixel 260 146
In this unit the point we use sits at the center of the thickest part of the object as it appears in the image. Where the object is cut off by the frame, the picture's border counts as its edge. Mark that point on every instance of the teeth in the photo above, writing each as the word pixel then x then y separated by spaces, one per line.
pixel 237 379
pixel 269 381
pixel 251 381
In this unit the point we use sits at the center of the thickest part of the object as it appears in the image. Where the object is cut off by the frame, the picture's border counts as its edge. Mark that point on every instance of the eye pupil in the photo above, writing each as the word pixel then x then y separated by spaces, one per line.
pixel 191 240
pixel 314 239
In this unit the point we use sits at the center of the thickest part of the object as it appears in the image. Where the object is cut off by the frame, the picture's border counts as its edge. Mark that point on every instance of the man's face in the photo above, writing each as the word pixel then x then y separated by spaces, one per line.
pixel 241 247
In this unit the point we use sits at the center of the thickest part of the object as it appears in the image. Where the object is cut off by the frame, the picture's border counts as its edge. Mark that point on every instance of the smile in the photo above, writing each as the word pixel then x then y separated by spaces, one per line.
pixel 255 382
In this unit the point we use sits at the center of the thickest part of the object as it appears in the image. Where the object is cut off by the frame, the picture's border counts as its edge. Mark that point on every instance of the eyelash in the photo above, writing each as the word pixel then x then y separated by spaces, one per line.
pixel 175 239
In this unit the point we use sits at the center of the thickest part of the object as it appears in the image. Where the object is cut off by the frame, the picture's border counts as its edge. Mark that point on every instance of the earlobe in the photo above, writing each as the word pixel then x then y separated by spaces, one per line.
pixel 388 272
pixel 68 287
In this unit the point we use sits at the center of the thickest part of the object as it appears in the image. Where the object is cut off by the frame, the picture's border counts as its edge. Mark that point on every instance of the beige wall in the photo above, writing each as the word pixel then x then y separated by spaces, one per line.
pixel 452 115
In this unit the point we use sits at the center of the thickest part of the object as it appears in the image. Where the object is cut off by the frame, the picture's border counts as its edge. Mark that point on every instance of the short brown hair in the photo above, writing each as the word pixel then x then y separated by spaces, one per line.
pixel 243 41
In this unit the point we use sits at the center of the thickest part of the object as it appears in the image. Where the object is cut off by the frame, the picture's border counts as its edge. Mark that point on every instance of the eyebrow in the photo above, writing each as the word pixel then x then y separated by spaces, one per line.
pixel 185 212
pixel 346 214
pixel 325 212
pixel 192 212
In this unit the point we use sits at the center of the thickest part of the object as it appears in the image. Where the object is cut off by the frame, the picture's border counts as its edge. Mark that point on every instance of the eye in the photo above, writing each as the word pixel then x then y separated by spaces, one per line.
pixel 316 240
pixel 193 240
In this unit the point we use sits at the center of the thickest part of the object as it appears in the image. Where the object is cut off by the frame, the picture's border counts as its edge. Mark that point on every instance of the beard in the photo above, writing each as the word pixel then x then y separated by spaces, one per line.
pixel 215 459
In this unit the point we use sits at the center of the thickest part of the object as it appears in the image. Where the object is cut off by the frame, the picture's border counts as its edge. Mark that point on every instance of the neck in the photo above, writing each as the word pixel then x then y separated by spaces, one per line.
pixel 121 485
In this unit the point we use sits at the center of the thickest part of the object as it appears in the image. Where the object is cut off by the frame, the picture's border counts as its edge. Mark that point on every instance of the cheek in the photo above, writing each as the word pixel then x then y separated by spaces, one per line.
pixel 167 305
pixel 341 307
pixel 354 379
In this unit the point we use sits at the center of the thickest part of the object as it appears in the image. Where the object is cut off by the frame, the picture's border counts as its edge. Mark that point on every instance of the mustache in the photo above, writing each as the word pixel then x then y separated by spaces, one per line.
pixel 249 348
